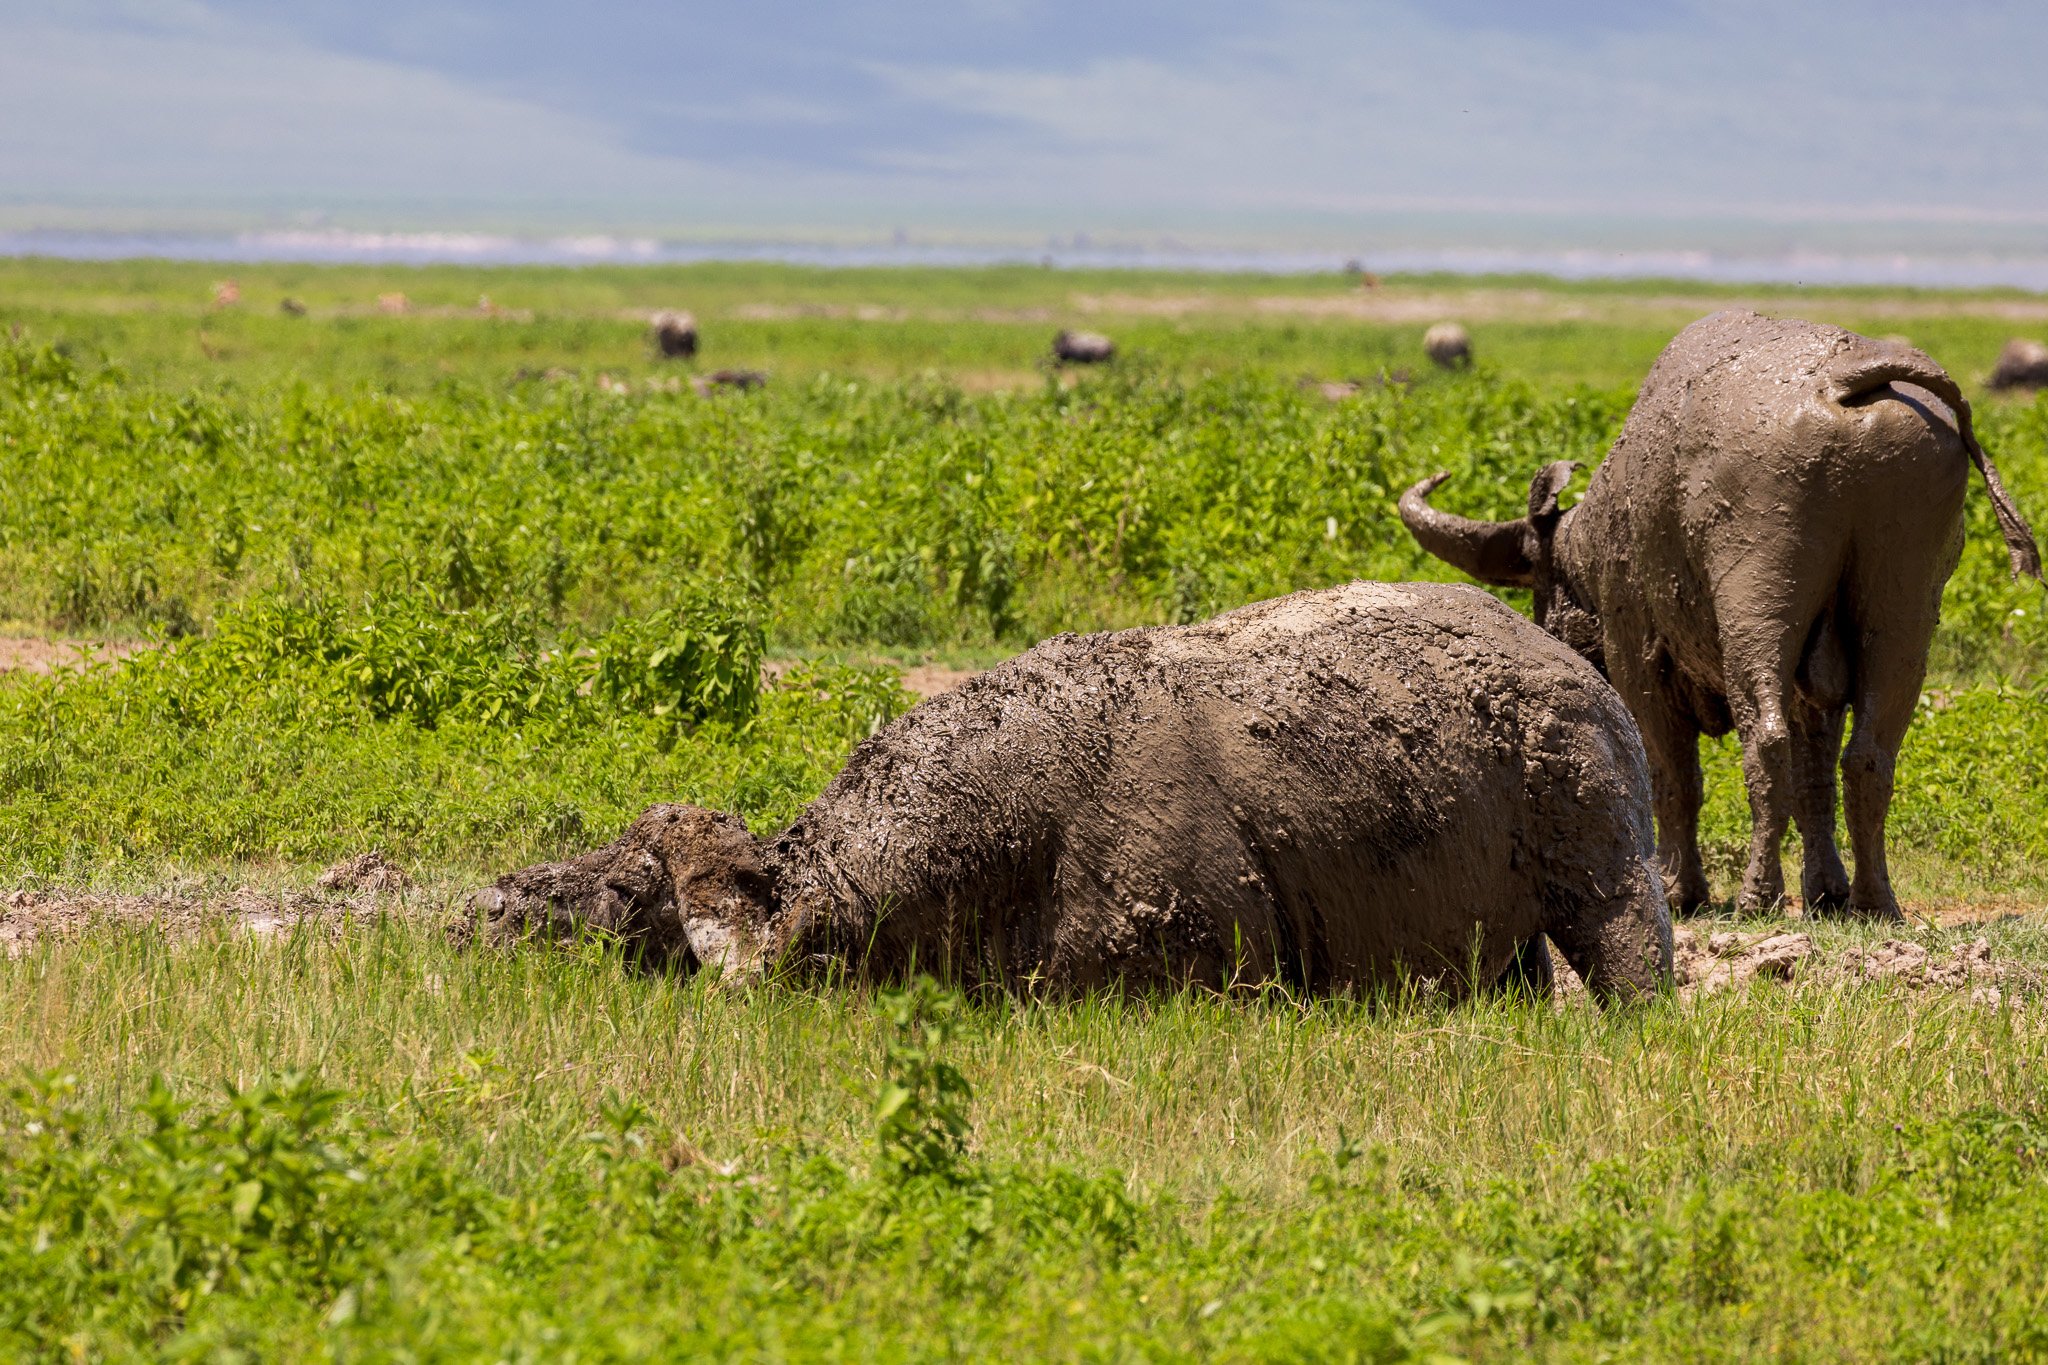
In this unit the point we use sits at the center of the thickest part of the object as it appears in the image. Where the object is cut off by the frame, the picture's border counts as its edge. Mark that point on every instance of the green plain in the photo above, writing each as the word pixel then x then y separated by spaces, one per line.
pixel 472 587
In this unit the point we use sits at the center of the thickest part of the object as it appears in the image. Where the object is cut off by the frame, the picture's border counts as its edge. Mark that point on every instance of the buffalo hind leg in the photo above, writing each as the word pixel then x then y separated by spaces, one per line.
pixel 1761 664
pixel 1886 694
pixel 1618 941
pixel 1671 742
pixel 1816 744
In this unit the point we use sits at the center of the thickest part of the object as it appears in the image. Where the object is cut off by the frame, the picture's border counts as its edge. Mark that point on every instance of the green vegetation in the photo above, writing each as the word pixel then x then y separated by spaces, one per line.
pixel 984 328
pixel 398 588
pixel 544 1157
pixel 445 622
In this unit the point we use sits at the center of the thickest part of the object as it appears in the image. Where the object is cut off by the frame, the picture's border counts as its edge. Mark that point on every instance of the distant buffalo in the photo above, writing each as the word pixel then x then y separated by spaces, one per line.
pixel 2022 364
pixel 1449 345
pixel 1082 348
pixel 743 380
pixel 675 334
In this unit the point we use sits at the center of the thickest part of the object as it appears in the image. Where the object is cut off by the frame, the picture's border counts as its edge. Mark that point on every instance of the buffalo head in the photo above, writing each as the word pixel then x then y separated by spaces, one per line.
pixel 1513 554
pixel 682 885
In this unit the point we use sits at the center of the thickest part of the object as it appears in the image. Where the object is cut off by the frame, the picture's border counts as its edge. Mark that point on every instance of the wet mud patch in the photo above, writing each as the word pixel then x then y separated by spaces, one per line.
pixel 359 888
pixel 1707 961
pixel 365 872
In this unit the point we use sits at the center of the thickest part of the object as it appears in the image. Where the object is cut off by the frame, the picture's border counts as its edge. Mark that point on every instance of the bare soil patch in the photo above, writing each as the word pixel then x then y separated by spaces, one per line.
pixel 30 917
pixel 35 654
pixel 1707 961
pixel 792 312
pixel 923 681
pixel 1950 914
pixel 997 381
pixel 926 681
pixel 1398 306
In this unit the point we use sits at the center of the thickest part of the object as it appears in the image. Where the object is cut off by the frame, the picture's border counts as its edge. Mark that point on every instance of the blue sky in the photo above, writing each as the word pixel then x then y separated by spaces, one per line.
pixel 1053 112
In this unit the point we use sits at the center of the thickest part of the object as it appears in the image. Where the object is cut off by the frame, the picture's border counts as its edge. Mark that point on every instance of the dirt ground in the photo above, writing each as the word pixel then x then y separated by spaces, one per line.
pixel 28 917
pixel 1708 959
pixel 35 654
pixel 1398 304
pixel 925 681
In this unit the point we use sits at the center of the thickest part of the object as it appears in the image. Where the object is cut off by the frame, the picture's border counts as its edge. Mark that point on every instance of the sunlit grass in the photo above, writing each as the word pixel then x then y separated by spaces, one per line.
pixel 1307 1179
pixel 551 1155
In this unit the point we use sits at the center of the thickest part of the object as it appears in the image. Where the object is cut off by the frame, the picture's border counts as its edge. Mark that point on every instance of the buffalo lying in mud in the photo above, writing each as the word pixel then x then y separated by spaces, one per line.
pixel 1763 550
pixel 1334 790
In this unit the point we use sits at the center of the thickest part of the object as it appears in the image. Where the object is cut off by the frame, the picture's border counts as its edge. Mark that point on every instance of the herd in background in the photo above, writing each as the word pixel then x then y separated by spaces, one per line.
pixel 675 337
pixel 2022 365
pixel 674 334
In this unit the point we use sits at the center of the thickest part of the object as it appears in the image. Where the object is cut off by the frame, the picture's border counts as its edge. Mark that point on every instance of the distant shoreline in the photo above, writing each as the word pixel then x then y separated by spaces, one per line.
pixel 1984 270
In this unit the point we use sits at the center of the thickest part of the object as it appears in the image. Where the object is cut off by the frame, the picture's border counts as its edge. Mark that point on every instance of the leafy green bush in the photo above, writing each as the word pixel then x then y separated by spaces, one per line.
pixel 300 729
pixel 405 655
pixel 698 660
pixel 909 514
pixel 921 1112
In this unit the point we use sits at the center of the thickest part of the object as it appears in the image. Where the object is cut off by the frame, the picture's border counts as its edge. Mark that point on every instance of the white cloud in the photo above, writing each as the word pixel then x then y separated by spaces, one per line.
pixel 1746 107
pixel 1299 106
pixel 184 103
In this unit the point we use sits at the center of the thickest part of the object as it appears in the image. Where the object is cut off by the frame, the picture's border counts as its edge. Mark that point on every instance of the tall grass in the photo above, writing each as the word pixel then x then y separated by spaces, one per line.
pixel 556 1156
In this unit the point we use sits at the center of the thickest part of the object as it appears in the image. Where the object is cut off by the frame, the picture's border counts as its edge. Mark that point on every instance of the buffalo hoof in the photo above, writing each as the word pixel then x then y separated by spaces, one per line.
pixel 1827 905
pixel 1884 911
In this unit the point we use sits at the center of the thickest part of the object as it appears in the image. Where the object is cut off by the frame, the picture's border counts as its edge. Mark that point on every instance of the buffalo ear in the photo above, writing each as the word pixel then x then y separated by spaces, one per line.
pixel 1550 481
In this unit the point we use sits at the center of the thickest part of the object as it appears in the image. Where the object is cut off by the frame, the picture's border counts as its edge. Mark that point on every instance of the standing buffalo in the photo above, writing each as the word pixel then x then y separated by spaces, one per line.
pixel 1337 789
pixel 1449 345
pixel 2022 364
pixel 1082 348
pixel 1763 550
pixel 675 335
